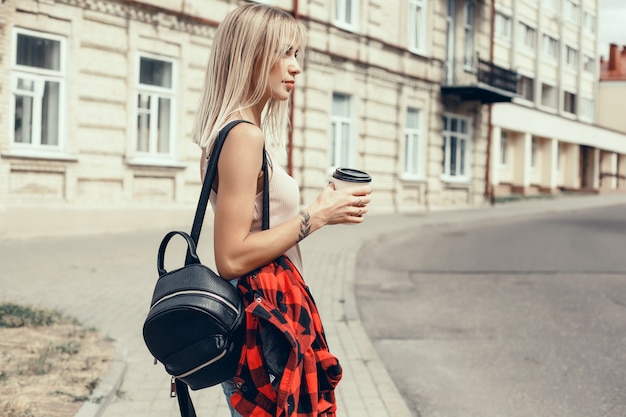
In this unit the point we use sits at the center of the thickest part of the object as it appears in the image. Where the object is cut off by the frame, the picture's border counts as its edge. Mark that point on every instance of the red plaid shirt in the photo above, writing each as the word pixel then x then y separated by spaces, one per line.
pixel 277 296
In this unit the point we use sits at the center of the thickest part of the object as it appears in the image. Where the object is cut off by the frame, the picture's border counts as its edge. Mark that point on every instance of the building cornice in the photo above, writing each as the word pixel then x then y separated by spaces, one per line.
pixel 149 14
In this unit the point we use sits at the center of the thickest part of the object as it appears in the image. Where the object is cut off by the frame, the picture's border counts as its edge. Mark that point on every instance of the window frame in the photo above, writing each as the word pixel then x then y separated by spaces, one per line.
pixel 504 148
pixel 501 19
pixel 589 64
pixel 587 109
pixel 571 11
pixel 523 87
pixel 337 157
pixel 525 30
pixel 156 93
pixel 569 53
pixel 550 44
pixel 589 22
pixel 469 32
pixel 39 76
pixel 555 98
pixel 341 18
pixel 569 103
pixel 418 29
pixel 463 153
pixel 414 145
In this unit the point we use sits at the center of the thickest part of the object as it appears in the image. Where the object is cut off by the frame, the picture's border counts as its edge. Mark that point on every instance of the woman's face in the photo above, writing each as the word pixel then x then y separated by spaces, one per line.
pixel 283 75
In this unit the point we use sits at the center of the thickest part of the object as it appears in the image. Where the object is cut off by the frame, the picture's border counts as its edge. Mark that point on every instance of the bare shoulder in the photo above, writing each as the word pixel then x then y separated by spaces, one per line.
pixel 244 145
pixel 246 134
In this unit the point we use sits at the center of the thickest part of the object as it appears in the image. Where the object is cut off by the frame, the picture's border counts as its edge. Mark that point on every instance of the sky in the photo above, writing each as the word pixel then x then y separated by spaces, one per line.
pixel 611 24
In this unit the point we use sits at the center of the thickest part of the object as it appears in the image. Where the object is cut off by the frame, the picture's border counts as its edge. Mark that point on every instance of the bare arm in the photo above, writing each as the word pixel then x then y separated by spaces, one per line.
pixel 237 251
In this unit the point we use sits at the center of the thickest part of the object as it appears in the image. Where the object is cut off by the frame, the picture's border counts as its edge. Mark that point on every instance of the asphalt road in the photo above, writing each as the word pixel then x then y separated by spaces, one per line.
pixel 510 318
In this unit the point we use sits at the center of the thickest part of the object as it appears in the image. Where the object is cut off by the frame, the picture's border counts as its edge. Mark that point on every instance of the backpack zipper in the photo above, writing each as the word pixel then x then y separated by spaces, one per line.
pixel 204 365
pixel 197 292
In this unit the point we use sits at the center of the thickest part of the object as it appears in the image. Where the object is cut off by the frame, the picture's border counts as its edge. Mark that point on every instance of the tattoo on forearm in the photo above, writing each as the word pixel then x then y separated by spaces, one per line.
pixel 305 225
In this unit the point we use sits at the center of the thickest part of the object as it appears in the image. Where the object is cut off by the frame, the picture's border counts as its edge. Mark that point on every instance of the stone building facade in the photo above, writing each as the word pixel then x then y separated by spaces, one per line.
pixel 548 140
pixel 98 98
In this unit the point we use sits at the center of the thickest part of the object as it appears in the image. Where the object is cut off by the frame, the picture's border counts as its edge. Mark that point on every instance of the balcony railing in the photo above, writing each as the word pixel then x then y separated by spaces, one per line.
pixel 496 76
pixel 479 80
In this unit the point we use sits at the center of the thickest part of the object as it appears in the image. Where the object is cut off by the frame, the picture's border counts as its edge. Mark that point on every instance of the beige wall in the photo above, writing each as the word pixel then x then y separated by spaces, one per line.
pixel 97 181
pixel 611 110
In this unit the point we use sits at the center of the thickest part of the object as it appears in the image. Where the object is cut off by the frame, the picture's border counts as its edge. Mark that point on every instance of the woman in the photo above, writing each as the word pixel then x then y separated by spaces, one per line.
pixel 251 73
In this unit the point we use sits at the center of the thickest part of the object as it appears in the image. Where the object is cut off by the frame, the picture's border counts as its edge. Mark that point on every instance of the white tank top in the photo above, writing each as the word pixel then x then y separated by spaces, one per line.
pixel 284 205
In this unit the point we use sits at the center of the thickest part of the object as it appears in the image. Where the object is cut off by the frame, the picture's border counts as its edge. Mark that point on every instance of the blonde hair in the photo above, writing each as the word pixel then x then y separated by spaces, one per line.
pixel 248 43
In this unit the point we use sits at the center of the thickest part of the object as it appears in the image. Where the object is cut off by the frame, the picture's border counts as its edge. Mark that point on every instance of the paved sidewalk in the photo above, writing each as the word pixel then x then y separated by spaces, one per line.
pixel 107 281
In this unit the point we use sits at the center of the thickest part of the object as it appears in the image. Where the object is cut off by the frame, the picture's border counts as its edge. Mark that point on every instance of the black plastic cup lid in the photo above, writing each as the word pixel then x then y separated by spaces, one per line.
pixel 351 175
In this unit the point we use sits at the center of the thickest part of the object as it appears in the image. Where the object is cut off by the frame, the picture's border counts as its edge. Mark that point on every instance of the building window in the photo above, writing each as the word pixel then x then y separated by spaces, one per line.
pixel 456 137
pixel 589 22
pixel 533 152
pixel 571 11
pixel 503 26
pixel 548 96
pixel 526 88
pixel 342 126
pixel 569 102
pixel 587 109
pixel 155 106
pixel 346 14
pixel 413 143
pixel 38 86
pixel 571 57
pixel 550 47
pixel 468 56
pixel 527 36
pixel 504 148
pixel 589 64
pixel 417 25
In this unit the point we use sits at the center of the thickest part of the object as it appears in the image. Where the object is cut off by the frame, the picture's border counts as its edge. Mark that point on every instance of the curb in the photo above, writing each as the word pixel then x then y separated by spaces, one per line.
pixel 105 390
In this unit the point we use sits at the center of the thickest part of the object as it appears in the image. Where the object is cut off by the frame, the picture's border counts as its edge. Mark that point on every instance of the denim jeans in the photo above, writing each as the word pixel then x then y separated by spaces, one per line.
pixel 229 389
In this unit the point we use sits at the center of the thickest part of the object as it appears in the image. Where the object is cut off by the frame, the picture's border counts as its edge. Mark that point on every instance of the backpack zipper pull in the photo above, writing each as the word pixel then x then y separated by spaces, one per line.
pixel 173 388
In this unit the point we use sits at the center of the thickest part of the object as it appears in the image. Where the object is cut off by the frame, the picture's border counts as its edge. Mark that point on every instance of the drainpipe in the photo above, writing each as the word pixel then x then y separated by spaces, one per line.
pixel 489 189
pixel 296 15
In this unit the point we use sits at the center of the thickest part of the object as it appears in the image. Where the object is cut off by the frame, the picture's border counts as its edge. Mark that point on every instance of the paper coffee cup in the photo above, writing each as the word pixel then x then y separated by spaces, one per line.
pixel 348 177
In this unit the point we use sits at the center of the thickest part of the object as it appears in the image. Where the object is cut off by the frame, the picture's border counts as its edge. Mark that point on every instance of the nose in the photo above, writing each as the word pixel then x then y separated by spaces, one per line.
pixel 293 66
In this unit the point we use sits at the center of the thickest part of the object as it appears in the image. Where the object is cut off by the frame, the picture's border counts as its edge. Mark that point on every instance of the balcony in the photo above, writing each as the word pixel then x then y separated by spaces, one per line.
pixel 481 81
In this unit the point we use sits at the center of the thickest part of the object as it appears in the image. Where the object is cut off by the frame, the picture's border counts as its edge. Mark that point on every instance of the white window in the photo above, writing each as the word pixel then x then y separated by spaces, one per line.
pixel 413 144
pixel 550 47
pixel 569 102
pixel 38 86
pixel 527 36
pixel 587 109
pixel 503 26
pixel 571 11
pixel 456 140
pixel 346 14
pixel 469 59
pixel 571 57
pixel 533 152
pixel 155 106
pixel 417 25
pixel 342 127
pixel 504 148
pixel 549 97
pixel 589 22
pixel 526 88
pixel 589 64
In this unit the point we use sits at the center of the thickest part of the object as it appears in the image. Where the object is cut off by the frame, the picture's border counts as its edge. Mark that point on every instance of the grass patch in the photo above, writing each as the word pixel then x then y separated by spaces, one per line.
pixel 14 315
pixel 50 363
